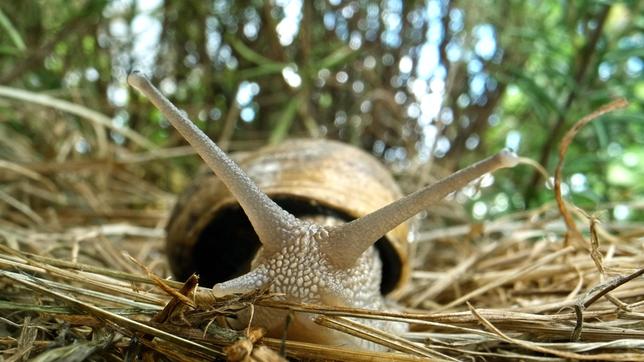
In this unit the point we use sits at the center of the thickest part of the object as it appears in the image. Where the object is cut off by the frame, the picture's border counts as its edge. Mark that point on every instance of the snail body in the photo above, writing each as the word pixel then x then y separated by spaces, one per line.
pixel 320 182
pixel 313 239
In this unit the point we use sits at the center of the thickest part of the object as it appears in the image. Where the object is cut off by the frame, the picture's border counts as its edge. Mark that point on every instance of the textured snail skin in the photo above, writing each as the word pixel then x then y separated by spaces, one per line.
pixel 310 260
pixel 303 273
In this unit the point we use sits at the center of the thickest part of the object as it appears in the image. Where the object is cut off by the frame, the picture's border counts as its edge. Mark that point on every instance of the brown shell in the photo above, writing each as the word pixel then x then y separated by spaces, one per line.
pixel 208 233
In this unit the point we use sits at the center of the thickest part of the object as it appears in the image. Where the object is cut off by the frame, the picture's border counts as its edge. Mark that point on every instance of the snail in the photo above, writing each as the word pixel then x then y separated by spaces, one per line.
pixel 313 239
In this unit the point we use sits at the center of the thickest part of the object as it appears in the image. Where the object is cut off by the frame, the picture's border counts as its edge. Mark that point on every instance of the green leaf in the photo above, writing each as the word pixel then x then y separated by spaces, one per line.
pixel 249 54
pixel 338 57
pixel 285 121
pixel 625 53
pixel 261 70
pixel 540 98
pixel 9 50
pixel 15 37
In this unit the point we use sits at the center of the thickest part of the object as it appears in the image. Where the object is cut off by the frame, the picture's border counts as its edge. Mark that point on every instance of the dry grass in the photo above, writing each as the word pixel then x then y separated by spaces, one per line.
pixel 82 262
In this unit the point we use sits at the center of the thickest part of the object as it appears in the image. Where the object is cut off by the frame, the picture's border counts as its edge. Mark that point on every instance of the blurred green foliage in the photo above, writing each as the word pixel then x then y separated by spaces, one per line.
pixel 412 81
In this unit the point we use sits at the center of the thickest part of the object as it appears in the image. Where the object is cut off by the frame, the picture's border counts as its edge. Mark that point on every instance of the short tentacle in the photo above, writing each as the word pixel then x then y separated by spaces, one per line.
pixel 345 243
pixel 253 280
pixel 271 223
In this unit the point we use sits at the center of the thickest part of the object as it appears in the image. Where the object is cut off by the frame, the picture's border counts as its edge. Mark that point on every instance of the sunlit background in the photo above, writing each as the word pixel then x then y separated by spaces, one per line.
pixel 428 86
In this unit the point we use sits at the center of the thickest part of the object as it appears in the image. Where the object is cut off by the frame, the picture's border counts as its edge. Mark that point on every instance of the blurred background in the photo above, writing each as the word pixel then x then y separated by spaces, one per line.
pixel 427 86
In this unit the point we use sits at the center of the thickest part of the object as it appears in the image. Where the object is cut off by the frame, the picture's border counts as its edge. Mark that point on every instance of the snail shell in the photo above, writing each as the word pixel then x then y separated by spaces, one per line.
pixel 208 232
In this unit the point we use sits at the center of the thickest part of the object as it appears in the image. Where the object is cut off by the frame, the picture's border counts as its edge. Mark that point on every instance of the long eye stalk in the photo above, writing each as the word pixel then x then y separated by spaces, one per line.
pixel 270 221
pixel 347 242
